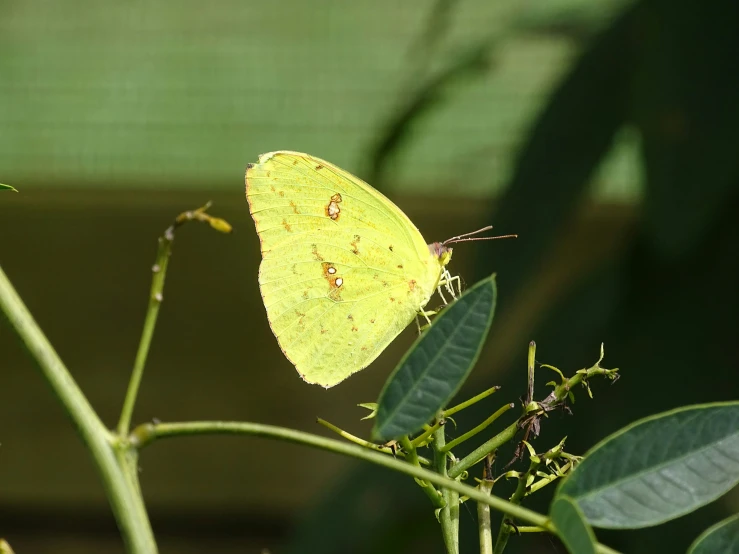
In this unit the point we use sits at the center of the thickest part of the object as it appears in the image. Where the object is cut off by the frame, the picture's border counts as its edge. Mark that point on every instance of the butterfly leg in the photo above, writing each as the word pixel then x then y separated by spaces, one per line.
pixel 426 315
pixel 450 283
pixel 438 289
pixel 447 281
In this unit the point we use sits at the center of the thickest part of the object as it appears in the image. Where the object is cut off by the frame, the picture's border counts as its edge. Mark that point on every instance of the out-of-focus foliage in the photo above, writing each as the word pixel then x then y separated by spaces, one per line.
pixel 658 80
pixel 174 94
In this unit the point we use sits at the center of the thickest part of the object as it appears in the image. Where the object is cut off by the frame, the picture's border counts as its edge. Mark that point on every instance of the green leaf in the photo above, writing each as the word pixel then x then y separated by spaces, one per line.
pixel 7 187
pixel 435 367
pixel 722 538
pixel 571 526
pixel 659 468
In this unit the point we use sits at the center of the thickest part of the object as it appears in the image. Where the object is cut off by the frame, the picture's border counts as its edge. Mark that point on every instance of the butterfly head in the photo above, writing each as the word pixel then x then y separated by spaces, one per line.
pixel 441 252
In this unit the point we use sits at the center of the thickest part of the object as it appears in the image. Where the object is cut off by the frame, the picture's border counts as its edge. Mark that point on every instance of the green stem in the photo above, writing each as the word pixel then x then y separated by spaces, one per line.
pixel 367 444
pixel 483 519
pixel 423 437
pixel 467 403
pixel 127 505
pixel 446 515
pixel 505 528
pixel 428 488
pixel 159 269
pixel 147 433
pixel 472 432
pixel 479 453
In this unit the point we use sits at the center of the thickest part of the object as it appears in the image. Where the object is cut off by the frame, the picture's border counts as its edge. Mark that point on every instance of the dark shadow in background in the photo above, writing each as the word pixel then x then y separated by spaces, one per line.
pixel 666 307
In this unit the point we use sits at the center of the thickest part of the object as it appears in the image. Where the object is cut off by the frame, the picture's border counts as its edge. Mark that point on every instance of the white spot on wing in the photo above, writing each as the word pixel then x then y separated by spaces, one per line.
pixel 339 281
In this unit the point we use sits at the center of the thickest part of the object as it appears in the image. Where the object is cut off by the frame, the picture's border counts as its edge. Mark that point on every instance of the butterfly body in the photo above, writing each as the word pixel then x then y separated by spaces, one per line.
pixel 343 269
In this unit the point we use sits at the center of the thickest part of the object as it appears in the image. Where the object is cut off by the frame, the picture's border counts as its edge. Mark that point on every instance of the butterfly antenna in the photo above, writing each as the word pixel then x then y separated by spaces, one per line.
pixel 461 238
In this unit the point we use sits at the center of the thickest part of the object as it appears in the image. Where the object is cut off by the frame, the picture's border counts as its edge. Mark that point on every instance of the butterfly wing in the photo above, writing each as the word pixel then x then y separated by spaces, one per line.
pixel 343 270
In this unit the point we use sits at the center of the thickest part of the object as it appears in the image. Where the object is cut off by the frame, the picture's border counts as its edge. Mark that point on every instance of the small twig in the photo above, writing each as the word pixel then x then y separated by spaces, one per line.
pixel 367 444
pixel 483 510
pixel 424 437
pixel 521 491
pixel 159 269
pixel 472 432
pixel 449 514
pixel 470 402
pixel 479 453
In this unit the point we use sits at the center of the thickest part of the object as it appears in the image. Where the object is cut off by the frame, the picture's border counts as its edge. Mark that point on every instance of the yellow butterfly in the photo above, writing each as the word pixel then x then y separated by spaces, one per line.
pixel 343 270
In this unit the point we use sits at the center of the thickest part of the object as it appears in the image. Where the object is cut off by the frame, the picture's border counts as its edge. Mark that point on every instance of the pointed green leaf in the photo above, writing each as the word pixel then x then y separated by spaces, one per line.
pixel 659 468
pixel 722 538
pixel 7 187
pixel 571 526
pixel 437 364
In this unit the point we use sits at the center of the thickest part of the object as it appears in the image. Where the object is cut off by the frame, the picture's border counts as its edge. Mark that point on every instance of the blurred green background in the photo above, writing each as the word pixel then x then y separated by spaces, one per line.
pixel 603 132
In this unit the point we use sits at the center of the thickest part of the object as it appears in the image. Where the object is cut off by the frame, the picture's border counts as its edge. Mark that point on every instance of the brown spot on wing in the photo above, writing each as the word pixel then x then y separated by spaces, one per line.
pixel 316 255
pixel 287 226
pixel 319 167
pixel 412 284
pixel 355 329
pixel 355 244
pixel 249 166
pixel 390 247
pixel 334 281
pixel 282 194
pixel 332 209
pixel 294 207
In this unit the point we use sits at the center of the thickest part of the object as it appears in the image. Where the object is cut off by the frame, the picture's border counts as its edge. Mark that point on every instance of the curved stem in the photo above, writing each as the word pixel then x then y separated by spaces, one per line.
pixel 147 433
pixel 127 505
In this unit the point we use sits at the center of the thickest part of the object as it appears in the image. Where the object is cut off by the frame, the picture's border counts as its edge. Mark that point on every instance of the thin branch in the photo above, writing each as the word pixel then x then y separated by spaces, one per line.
pixel 479 453
pixel 447 513
pixel 147 433
pixel 159 269
pixel 472 432
pixel 127 506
